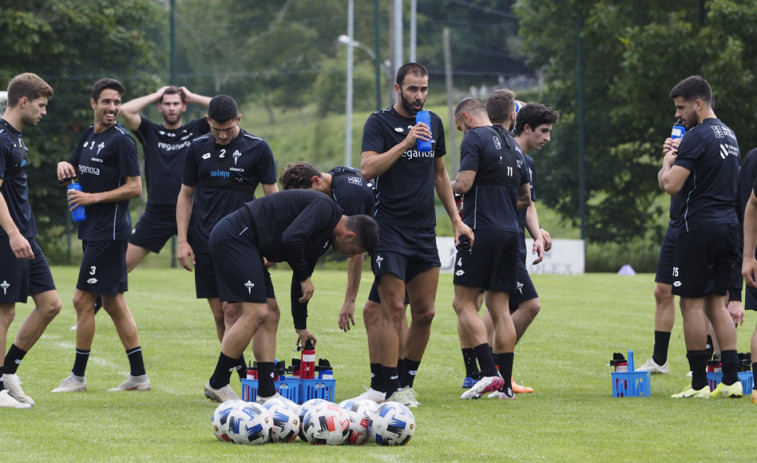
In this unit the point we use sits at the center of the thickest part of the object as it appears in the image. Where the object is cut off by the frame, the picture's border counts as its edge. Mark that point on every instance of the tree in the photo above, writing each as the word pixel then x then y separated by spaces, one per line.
pixel 633 54
pixel 71 44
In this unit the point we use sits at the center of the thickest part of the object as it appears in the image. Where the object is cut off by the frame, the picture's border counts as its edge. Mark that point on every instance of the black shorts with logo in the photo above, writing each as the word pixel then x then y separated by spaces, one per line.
pixel 21 278
pixel 103 267
pixel 492 263
pixel 704 260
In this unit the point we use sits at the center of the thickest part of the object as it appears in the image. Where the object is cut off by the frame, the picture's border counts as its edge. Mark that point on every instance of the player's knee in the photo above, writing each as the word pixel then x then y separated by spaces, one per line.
pixel 423 315
pixel 51 310
pixel 532 307
pixel 663 294
pixel 7 314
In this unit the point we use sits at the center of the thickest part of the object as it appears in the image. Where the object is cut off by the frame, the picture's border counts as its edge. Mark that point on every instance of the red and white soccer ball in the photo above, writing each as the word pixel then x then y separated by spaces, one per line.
pixel 392 424
pixel 249 425
pixel 328 425
pixel 358 412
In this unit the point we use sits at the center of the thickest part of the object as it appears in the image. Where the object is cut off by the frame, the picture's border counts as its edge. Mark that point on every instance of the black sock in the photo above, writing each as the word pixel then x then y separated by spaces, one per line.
pixel 223 370
pixel 409 370
pixel 391 380
pixel 698 366
pixel 13 360
pixel 505 363
pixel 710 347
pixel 485 359
pixel 241 368
pixel 730 366
pixel 136 363
pixel 266 387
pixel 754 376
pixel 661 343
pixel 377 380
pixel 469 360
pixel 80 362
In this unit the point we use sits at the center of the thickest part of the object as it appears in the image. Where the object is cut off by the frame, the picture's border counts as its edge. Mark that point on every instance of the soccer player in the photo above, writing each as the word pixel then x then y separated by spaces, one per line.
pixel 354 195
pixel 494 178
pixel 749 265
pixel 165 148
pixel 25 271
pixel 108 168
pixel 294 226
pixel 704 174
pixel 406 258
pixel 222 169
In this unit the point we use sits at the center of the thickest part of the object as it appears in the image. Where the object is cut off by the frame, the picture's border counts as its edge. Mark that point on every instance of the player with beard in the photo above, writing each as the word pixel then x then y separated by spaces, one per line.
pixel 494 178
pixel 165 147
pixel 704 173
pixel 406 258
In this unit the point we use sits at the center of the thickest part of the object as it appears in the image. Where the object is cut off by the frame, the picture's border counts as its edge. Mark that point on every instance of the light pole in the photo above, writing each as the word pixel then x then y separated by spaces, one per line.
pixel 345 40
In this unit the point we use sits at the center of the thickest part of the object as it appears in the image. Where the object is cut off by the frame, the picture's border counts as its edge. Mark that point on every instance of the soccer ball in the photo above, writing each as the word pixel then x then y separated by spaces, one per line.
pixel 280 401
pixel 250 424
pixel 306 407
pixel 392 424
pixel 358 412
pixel 220 418
pixel 358 432
pixel 326 425
pixel 286 423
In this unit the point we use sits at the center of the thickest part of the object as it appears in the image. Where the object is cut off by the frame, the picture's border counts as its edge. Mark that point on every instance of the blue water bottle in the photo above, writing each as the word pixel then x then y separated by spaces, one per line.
pixel 678 130
pixel 78 214
pixel 425 117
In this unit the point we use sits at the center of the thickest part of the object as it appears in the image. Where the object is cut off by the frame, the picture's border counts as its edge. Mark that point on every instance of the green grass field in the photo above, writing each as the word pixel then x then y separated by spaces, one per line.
pixel 571 416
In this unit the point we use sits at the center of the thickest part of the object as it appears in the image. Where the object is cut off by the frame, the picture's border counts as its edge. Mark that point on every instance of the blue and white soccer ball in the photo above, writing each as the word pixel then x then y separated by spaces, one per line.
pixel 328 425
pixel 306 407
pixel 221 416
pixel 392 424
pixel 279 401
pixel 286 423
pixel 249 425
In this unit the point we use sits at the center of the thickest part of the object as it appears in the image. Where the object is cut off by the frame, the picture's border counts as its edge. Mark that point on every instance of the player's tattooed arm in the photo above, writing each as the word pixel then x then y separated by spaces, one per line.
pixel 524 196
pixel 464 181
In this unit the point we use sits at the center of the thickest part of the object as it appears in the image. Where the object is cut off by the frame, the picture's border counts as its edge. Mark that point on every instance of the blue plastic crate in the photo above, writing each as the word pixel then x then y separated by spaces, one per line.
pixel 631 384
pixel 289 388
pixel 317 389
pixel 746 378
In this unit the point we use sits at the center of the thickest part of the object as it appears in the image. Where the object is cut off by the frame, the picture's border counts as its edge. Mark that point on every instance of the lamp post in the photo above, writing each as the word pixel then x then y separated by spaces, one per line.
pixel 345 40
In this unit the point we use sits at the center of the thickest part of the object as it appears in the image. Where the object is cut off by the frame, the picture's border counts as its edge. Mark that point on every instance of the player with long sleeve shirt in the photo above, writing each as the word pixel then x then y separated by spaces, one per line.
pixel 293 226
pixel 495 181
pixel 221 172
pixel 354 195
pixel 108 169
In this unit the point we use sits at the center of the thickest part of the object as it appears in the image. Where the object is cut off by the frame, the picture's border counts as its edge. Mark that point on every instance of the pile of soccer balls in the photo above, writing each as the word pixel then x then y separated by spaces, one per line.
pixel 318 421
